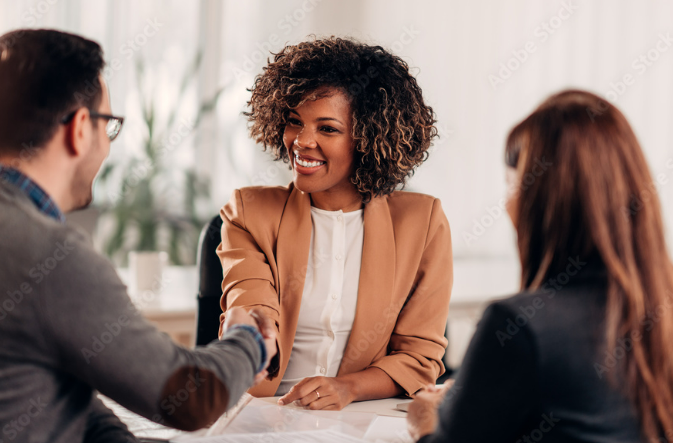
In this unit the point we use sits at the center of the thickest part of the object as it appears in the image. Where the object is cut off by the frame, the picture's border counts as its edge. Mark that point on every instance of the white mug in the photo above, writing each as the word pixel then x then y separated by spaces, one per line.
pixel 145 271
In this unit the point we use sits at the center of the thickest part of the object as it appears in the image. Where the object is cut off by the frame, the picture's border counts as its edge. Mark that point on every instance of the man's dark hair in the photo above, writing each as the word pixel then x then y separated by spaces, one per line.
pixel 44 75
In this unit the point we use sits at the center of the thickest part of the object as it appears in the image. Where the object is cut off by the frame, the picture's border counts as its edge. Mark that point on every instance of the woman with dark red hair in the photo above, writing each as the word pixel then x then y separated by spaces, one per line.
pixel 584 352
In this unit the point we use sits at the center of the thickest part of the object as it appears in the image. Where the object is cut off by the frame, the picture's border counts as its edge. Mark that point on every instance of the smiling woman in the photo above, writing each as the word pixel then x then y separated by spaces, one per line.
pixel 355 273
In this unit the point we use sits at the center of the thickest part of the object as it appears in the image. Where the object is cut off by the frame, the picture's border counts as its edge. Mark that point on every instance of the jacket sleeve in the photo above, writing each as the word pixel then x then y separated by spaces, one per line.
pixel 247 278
pixel 498 380
pixel 418 341
pixel 96 334
pixel 103 426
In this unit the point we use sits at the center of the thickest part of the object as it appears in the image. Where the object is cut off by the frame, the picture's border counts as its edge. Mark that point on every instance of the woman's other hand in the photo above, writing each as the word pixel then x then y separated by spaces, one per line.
pixel 422 416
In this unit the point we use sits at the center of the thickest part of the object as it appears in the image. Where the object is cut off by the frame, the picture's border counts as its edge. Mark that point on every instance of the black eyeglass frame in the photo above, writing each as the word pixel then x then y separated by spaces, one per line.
pixel 93 114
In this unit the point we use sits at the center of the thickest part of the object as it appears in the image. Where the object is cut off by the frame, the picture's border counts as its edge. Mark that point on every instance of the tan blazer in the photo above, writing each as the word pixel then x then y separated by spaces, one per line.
pixel 405 279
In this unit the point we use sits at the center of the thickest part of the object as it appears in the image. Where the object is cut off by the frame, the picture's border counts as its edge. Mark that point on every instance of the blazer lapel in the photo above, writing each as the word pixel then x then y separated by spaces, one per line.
pixel 375 291
pixel 294 241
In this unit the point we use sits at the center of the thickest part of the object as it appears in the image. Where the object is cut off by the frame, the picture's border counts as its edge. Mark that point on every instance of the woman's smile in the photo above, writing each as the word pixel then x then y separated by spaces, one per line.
pixel 306 165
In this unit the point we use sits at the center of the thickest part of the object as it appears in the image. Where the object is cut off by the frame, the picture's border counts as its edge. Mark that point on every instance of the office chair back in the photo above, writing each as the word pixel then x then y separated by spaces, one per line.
pixel 210 283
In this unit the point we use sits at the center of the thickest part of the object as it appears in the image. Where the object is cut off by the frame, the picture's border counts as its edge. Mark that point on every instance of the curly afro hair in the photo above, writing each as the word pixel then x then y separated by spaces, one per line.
pixel 392 126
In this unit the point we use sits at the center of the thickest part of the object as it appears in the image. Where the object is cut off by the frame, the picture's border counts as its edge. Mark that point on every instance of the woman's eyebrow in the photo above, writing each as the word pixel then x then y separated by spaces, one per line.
pixel 322 119
pixel 319 119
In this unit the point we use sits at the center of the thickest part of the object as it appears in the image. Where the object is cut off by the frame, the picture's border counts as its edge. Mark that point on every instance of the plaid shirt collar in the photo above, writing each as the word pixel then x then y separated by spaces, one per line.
pixel 34 192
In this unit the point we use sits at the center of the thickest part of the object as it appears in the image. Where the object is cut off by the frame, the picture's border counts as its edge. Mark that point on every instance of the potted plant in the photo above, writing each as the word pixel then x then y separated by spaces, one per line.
pixel 149 205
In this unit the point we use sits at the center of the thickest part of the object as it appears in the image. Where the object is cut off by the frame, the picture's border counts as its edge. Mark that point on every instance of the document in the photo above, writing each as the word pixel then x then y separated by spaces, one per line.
pixel 323 436
pixel 257 420
pixel 221 424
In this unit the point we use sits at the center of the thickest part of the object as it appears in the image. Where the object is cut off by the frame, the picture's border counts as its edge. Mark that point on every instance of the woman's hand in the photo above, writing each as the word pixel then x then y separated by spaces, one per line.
pixel 422 416
pixel 256 318
pixel 328 393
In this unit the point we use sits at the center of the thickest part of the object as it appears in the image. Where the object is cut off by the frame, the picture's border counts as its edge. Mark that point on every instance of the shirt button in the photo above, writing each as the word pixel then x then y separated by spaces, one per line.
pixel 322 370
pixel 338 257
pixel 340 218
pixel 334 296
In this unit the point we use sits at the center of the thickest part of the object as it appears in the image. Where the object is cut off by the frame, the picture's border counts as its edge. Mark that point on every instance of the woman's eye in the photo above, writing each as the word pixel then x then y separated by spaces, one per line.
pixel 328 129
pixel 294 122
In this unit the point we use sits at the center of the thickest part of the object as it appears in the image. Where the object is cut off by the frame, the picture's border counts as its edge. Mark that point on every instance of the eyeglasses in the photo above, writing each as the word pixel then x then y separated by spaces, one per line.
pixel 112 128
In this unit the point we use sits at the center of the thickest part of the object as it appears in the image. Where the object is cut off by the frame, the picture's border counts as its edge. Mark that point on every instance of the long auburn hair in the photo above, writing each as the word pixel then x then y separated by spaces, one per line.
pixel 597 200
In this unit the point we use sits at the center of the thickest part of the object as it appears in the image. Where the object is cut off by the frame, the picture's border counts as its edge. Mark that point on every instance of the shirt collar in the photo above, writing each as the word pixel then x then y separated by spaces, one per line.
pixel 33 191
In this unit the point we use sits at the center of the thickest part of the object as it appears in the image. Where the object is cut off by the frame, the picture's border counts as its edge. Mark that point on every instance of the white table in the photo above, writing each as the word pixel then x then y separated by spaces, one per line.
pixel 372 421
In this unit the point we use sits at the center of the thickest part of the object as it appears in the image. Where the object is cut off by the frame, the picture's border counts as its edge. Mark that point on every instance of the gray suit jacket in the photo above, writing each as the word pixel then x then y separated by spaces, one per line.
pixel 68 329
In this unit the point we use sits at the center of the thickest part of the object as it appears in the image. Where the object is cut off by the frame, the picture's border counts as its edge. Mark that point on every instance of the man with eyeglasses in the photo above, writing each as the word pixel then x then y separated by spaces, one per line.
pixel 67 326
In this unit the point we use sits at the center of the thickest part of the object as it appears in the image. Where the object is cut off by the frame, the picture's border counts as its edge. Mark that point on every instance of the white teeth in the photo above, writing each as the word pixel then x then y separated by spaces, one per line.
pixel 305 163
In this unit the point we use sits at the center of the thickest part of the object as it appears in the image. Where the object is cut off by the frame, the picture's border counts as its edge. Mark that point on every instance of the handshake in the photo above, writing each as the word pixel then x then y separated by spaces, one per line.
pixel 267 328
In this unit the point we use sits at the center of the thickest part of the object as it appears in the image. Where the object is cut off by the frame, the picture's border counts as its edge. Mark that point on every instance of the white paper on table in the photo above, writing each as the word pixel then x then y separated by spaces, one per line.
pixel 323 436
pixel 262 416
pixel 388 429
pixel 225 419
pixel 387 406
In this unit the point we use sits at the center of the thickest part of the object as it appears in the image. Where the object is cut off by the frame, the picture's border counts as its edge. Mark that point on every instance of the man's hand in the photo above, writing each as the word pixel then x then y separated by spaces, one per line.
pixel 327 393
pixel 422 416
pixel 238 316
pixel 266 327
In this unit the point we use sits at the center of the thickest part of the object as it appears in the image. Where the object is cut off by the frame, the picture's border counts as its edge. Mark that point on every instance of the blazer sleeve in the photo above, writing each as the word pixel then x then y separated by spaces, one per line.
pixel 418 341
pixel 247 277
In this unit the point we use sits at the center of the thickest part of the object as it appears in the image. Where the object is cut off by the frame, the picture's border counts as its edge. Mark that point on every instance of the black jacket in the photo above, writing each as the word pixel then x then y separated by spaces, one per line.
pixel 538 369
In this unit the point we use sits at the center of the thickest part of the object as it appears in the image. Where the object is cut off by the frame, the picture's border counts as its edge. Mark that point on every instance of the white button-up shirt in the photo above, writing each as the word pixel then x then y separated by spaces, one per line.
pixel 330 296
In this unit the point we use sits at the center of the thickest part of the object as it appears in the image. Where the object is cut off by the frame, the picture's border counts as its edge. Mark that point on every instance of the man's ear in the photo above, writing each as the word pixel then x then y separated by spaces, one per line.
pixel 79 133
